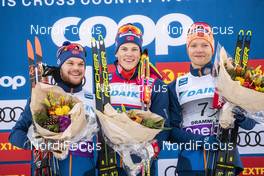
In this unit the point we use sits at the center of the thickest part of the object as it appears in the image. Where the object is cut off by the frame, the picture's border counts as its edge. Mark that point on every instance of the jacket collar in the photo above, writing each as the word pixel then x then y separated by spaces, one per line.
pixel 69 88
pixel 121 73
pixel 205 70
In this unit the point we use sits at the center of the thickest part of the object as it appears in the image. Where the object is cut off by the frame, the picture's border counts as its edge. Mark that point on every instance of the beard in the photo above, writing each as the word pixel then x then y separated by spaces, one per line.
pixel 71 80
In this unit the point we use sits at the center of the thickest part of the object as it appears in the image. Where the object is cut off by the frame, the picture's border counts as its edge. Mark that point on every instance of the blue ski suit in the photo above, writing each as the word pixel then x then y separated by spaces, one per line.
pixel 191 109
pixel 129 96
pixel 81 162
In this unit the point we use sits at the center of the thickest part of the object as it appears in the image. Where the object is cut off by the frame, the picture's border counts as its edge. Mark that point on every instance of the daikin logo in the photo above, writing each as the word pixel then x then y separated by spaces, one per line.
pixel 151 32
pixel 14 83
pixel 200 91
pixel 125 94
pixel 207 90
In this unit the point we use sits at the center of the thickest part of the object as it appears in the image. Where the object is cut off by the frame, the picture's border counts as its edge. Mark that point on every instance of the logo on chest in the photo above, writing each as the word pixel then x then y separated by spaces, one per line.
pixel 183 81
pixel 196 92
pixel 121 93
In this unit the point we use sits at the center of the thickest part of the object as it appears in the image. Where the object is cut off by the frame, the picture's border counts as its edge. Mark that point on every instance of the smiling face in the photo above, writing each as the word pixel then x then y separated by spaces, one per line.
pixel 72 70
pixel 128 55
pixel 200 52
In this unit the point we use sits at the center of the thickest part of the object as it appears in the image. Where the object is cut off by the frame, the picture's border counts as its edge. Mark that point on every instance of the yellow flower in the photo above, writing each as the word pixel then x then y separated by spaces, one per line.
pixel 240 79
pixel 59 111
pixel 65 109
pixel 46 102
pixel 62 100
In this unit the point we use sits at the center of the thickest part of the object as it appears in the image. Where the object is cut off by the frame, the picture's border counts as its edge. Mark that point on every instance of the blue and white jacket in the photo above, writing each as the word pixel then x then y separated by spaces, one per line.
pixel 81 161
pixel 127 92
pixel 191 109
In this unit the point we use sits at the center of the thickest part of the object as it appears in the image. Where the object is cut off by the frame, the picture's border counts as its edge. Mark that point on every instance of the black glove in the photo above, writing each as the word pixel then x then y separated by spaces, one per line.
pixel 242 118
pixel 52 71
pixel 239 114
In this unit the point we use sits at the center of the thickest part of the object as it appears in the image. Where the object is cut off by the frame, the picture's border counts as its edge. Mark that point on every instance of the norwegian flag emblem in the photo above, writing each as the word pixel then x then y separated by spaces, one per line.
pixel 75 51
pixel 200 34
pixel 130 38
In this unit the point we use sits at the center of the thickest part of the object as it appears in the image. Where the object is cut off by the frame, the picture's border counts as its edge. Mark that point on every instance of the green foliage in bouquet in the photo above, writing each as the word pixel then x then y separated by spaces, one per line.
pixel 153 124
pixel 54 128
pixel 41 118
pixel 49 123
pixel 150 123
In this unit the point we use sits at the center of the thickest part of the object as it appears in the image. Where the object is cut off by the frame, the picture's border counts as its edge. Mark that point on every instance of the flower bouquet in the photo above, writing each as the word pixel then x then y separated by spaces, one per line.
pixel 239 87
pixel 127 136
pixel 56 117
pixel 59 118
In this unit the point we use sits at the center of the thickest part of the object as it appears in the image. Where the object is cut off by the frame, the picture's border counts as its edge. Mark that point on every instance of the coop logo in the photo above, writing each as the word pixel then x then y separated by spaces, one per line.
pixel 152 32
pixel 14 83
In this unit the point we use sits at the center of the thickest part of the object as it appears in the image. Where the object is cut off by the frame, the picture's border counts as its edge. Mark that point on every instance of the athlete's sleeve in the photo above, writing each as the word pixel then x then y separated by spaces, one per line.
pixel 160 100
pixel 159 105
pixel 18 135
pixel 174 106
